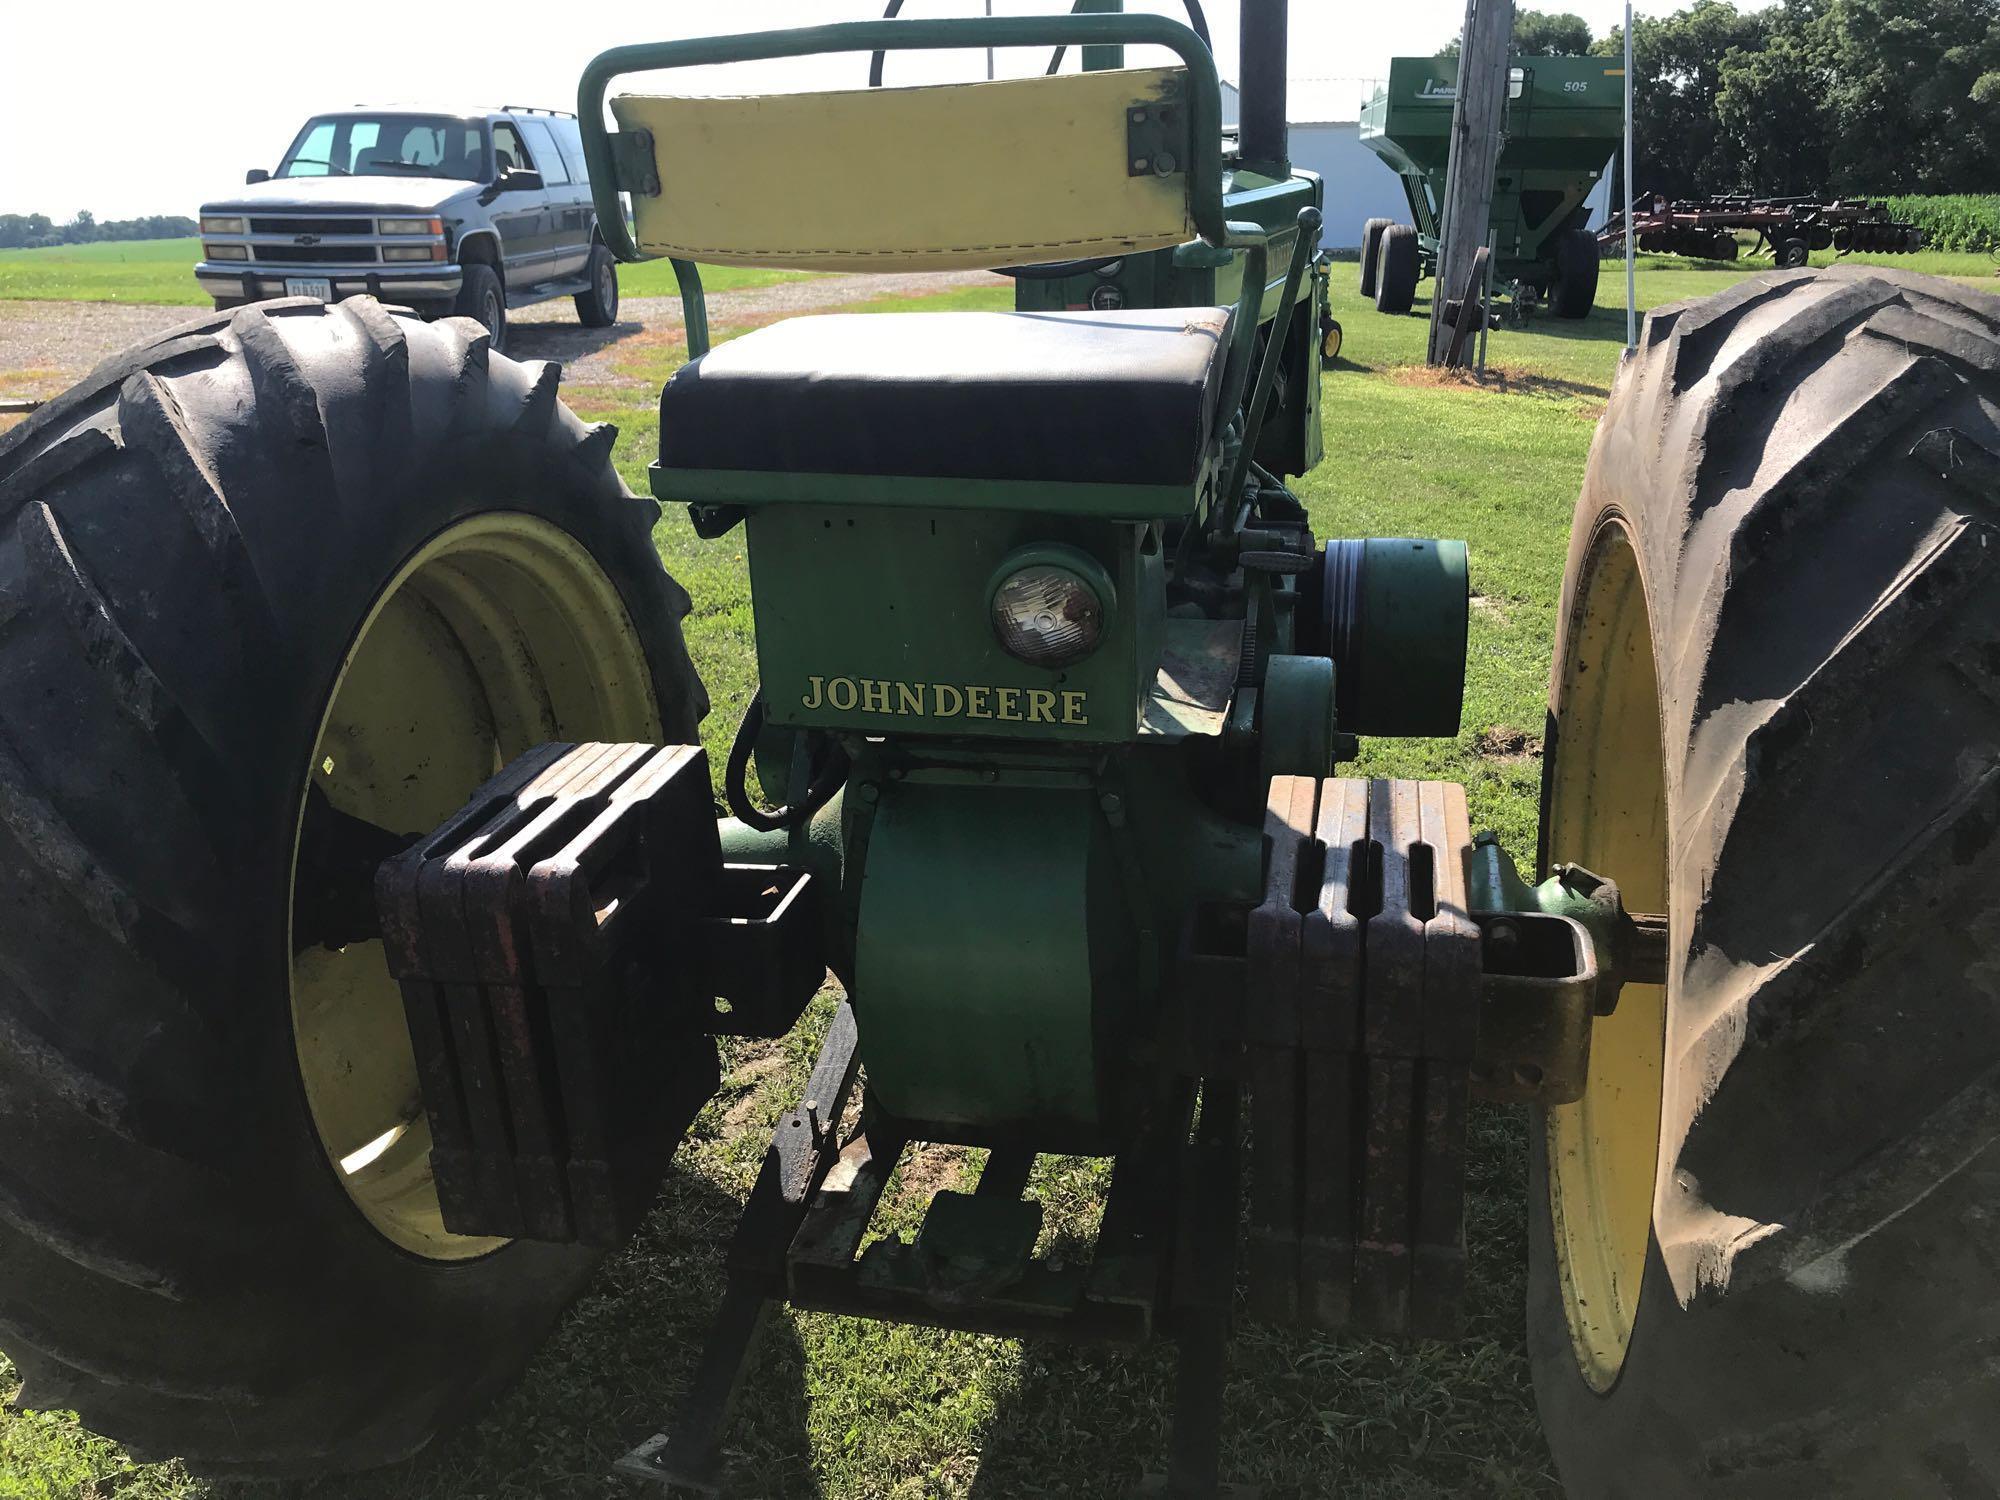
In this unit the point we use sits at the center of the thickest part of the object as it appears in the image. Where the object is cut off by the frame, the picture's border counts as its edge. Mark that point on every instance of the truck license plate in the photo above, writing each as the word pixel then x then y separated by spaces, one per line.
pixel 309 286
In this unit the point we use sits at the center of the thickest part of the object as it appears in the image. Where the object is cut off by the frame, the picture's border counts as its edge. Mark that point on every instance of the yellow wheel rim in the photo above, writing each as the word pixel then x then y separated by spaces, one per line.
pixel 1607 811
pixel 500 634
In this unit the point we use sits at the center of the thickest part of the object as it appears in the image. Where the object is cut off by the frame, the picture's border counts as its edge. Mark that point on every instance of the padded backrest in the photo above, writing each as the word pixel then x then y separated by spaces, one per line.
pixel 920 179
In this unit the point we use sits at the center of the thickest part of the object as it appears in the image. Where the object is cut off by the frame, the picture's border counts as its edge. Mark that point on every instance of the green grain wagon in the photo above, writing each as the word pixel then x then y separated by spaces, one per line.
pixel 1563 119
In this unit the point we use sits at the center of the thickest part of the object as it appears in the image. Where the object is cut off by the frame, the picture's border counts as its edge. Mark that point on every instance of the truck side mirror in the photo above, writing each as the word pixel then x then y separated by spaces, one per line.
pixel 255 175
pixel 512 180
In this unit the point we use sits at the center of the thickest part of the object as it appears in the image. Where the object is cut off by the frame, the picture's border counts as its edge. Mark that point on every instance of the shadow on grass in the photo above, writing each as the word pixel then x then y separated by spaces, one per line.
pixel 610 1375
pixel 1600 325
pixel 1499 379
pixel 1308 1416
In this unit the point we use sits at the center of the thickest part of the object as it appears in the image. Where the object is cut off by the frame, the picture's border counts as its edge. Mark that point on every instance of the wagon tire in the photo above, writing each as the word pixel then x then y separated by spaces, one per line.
pixel 1371 236
pixel 200 547
pixel 1397 269
pixel 1761 1248
pixel 1575 291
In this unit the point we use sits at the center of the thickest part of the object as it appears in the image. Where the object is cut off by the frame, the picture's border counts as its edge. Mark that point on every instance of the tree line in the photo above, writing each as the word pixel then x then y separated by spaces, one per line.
pixel 1804 96
pixel 39 231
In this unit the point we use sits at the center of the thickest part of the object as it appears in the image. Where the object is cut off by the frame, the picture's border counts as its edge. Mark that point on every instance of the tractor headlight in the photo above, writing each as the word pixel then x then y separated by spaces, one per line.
pixel 1050 605
pixel 221 226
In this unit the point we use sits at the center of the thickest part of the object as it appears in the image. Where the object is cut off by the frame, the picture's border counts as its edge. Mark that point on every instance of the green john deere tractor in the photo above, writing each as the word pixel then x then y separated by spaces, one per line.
pixel 369 924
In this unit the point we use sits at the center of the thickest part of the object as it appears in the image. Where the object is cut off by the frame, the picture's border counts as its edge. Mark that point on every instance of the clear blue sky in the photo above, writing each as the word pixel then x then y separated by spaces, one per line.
pixel 131 107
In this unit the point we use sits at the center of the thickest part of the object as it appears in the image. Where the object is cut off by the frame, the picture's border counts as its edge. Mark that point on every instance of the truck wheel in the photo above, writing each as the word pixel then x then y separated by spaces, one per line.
pixel 483 299
pixel 1761 1247
pixel 275 568
pixel 598 307
pixel 1371 236
pixel 1396 268
pixel 1575 291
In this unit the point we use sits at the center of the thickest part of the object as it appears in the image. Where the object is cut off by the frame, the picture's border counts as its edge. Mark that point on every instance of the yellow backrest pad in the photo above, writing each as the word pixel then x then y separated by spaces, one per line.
pixel 908 179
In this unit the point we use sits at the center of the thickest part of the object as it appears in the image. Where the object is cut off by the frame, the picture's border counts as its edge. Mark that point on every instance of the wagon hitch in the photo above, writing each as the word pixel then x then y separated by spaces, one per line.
pixel 1554 958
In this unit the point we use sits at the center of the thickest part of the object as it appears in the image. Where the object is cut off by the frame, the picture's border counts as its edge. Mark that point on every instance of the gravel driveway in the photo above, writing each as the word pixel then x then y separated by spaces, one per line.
pixel 47 346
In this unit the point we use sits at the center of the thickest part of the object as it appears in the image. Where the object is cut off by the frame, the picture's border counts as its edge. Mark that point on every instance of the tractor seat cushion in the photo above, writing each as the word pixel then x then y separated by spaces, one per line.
pixel 1109 397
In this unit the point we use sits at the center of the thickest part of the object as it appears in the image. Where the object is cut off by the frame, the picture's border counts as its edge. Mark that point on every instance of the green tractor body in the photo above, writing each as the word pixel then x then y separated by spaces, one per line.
pixel 1027 838
pixel 1021 845
pixel 997 807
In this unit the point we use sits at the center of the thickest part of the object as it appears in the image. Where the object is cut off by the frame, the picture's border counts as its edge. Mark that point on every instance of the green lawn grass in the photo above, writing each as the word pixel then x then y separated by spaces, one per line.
pixel 841 1409
pixel 161 272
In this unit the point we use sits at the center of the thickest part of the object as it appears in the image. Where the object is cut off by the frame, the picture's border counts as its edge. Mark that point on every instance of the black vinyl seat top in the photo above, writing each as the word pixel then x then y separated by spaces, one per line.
pixel 1123 397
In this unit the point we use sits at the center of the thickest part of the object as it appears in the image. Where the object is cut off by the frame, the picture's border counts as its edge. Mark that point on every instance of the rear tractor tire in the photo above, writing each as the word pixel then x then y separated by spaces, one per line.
pixel 1371 237
pixel 276 567
pixel 1762 1245
pixel 1398 266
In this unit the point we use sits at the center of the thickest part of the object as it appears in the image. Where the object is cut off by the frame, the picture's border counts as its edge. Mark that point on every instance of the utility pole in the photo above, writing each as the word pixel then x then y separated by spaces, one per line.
pixel 1476 118
pixel 1631 276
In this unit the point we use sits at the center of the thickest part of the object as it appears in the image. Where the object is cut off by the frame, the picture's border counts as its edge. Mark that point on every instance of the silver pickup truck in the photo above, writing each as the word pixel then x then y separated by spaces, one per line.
pixel 445 211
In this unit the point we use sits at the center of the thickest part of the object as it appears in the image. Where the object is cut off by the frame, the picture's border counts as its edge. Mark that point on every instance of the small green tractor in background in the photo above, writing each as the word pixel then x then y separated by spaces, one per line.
pixel 1564 118
pixel 369 924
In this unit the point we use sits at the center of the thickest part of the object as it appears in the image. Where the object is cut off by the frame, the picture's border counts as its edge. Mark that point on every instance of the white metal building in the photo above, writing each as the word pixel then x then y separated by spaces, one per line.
pixel 1324 114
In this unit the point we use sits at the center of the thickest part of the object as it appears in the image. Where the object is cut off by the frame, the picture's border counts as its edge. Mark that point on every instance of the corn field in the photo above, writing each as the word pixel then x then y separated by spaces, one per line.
pixel 1953 221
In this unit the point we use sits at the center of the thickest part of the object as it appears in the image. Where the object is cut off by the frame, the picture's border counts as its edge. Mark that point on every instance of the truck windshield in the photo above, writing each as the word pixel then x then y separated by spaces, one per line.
pixel 388 145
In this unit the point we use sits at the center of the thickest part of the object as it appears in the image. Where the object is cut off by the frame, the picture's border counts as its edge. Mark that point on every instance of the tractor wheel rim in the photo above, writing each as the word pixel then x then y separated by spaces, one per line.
pixel 1607 811
pixel 499 634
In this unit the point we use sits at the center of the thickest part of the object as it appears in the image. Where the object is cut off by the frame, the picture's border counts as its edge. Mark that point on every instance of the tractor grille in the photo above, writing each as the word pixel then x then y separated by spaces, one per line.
pixel 298 224
pixel 317 255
